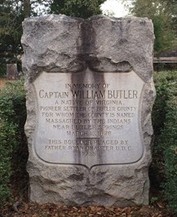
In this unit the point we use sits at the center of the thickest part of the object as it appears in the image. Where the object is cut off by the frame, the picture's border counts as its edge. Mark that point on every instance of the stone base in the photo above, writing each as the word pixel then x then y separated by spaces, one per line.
pixel 76 185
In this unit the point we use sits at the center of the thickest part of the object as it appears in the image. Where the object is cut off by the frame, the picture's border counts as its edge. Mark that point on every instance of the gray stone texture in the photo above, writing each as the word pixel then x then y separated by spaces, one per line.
pixel 57 43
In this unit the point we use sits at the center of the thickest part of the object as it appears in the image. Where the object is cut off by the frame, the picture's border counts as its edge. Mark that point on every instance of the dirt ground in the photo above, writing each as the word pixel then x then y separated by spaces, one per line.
pixel 25 209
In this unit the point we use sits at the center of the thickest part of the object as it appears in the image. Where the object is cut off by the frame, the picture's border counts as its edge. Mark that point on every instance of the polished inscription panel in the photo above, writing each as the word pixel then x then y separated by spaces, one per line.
pixel 88 118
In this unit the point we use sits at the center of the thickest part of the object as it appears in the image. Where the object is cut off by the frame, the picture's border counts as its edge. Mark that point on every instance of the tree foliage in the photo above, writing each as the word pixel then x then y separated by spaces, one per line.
pixel 162 16
pixel 13 12
pixel 10 28
pixel 77 8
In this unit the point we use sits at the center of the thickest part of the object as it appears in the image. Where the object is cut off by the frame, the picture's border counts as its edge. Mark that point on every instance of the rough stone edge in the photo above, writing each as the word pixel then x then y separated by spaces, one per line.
pixel 97 56
pixel 33 66
pixel 141 64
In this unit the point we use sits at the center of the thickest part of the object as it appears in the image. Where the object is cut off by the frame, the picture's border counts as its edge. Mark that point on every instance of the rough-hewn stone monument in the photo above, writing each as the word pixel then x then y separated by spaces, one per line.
pixel 89 99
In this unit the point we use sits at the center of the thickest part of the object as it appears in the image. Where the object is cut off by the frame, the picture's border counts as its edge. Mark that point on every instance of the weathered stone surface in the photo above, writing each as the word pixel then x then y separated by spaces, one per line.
pixel 89 99
pixel 123 44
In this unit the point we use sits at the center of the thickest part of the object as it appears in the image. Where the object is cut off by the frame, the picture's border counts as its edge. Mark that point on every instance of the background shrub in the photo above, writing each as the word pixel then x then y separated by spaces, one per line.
pixel 12 138
pixel 164 166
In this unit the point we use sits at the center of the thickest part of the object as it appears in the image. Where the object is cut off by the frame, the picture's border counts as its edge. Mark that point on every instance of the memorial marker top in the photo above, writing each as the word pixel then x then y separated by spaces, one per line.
pixel 63 44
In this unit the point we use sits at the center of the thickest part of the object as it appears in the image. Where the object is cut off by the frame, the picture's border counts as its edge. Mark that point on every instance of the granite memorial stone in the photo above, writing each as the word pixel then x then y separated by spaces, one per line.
pixel 89 99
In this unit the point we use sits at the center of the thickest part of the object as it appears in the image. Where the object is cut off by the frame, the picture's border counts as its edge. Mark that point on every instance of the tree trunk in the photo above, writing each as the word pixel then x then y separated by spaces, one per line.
pixel 27 8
